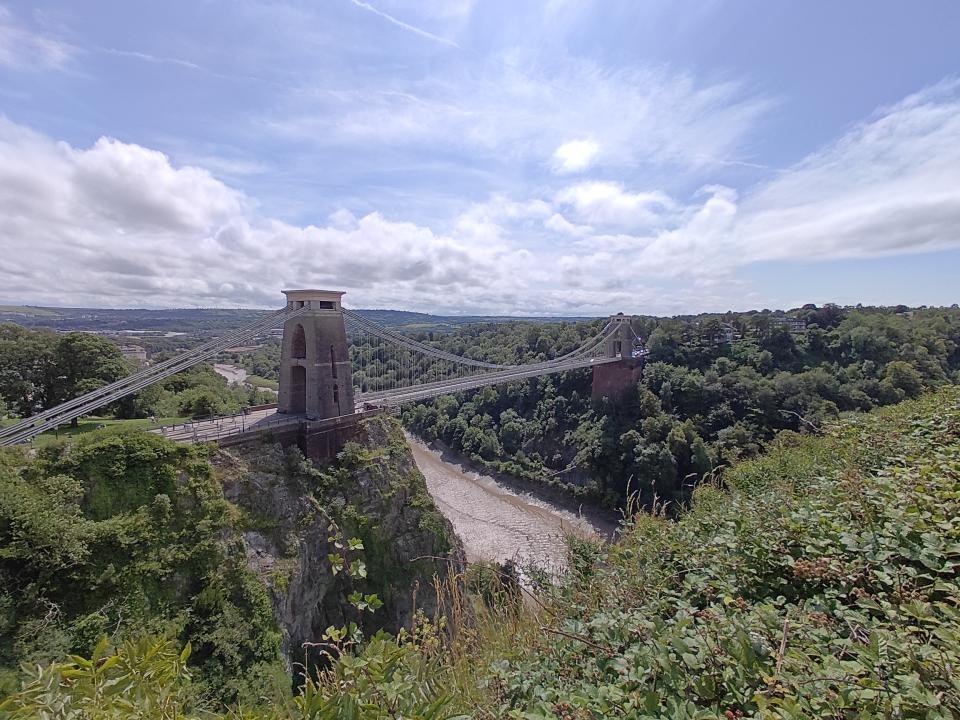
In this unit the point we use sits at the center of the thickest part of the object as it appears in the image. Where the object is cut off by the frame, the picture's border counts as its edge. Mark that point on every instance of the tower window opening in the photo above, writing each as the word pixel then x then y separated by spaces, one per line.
pixel 333 362
pixel 336 395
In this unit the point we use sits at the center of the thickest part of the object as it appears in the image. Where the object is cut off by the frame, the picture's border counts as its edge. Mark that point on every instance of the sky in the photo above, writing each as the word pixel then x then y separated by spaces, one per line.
pixel 482 157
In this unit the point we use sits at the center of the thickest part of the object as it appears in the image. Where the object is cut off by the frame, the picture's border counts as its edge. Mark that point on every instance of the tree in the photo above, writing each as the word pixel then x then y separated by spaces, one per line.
pixel 25 359
pixel 903 376
pixel 511 435
pixel 82 362
pixel 664 345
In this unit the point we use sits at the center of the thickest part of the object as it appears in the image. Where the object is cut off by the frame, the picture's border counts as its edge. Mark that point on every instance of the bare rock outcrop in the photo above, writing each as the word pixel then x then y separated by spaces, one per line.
pixel 291 513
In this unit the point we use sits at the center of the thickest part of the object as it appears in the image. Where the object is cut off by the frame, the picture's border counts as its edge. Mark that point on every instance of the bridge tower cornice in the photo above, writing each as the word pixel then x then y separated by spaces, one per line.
pixel 318 300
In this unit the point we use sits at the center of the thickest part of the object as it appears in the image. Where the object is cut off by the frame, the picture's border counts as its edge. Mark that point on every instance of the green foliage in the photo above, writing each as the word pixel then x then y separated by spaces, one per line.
pixel 822 583
pixel 495 584
pixel 147 678
pixel 81 362
pixel 389 678
pixel 41 369
pixel 197 392
pixel 386 679
pixel 123 534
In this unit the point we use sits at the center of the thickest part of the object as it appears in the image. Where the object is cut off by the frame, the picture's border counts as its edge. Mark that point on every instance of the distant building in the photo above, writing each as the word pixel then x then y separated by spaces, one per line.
pixel 134 352
pixel 794 325
pixel 727 333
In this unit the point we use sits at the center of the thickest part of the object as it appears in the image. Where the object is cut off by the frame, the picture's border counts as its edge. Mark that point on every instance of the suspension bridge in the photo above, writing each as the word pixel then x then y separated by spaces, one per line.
pixel 337 366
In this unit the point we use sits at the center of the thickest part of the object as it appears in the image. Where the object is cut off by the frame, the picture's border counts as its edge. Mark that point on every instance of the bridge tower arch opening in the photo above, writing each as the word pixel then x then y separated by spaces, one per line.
pixel 315 372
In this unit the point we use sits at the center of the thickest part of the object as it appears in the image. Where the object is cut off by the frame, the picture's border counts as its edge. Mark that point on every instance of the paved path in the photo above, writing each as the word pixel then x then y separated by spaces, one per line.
pixel 203 430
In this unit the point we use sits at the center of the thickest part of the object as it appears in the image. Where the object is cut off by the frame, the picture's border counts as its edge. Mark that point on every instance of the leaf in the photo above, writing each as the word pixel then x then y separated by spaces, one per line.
pixel 358 569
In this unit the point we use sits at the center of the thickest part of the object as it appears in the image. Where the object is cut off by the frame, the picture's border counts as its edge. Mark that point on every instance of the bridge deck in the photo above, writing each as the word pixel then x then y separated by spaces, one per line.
pixel 221 427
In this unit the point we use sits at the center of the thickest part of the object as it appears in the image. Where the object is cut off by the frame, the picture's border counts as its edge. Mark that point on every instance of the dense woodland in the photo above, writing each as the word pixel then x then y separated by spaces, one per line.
pixel 122 534
pixel 41 369
pixel 702 401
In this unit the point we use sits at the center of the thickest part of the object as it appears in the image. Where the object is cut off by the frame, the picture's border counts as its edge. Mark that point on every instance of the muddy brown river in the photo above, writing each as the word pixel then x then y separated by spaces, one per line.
pixel 496 522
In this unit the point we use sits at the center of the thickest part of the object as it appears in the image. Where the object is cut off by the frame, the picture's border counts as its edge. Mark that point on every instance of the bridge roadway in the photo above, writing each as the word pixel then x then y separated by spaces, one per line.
pixel 264 419
pixel 412 393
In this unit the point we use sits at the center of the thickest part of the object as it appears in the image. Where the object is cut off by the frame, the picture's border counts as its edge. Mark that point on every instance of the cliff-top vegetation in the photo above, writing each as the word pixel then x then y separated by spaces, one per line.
pixel 820 581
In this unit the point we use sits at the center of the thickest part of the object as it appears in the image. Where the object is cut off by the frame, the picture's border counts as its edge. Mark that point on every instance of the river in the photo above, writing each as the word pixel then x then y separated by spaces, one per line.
pixel 496 522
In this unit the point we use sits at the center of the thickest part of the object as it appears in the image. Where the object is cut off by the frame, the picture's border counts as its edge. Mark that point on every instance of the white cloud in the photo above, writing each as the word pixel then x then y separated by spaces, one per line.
pixel 514 107
pixel 23 49
pixel 574 156
pixel 118 224
pixel 889 186
pixel 401 24
pixel 559 224
pixel 607 203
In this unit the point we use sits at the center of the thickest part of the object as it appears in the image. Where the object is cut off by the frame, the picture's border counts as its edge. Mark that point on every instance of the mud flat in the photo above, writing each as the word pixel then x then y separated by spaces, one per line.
pixel 233 374
pixel 499 523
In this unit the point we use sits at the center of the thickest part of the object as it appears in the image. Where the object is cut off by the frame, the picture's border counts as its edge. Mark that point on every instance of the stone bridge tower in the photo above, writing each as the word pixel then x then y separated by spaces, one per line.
pixel 616 380
pixel 315 371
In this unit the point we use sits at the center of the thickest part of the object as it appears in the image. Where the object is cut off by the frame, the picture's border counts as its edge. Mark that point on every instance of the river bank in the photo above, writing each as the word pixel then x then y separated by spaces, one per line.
pixel 498 522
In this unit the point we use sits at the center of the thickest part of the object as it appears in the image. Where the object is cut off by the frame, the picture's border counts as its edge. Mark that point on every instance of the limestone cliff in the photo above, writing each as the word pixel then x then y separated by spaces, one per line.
pixel 288 510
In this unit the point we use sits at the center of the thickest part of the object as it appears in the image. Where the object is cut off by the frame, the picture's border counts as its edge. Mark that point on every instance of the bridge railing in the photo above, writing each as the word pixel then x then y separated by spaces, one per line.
pixel 222 426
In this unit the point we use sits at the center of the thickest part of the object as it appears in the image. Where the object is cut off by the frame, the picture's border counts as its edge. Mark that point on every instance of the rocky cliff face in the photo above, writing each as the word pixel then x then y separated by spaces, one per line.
pixel 291 515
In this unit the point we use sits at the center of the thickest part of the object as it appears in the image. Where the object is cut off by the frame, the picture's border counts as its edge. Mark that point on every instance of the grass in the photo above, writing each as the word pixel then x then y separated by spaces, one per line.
pixel 27 310
pixel 262 382
pixel 92 423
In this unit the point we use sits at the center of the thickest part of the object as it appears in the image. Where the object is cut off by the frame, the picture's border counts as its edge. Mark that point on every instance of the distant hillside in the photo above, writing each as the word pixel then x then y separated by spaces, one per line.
pixel 194 320
pixel 173 320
